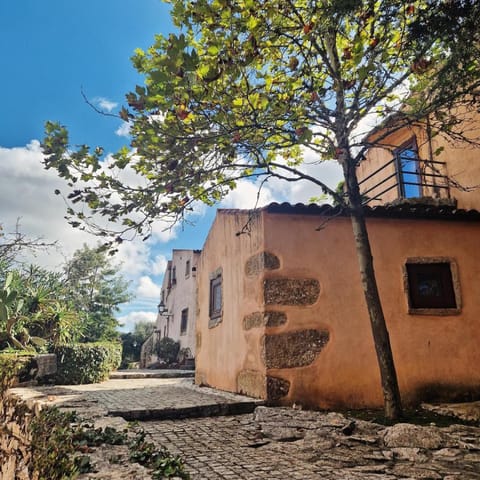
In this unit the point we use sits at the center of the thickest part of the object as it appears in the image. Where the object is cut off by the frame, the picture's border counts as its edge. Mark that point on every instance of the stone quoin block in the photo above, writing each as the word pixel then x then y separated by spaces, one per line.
pixel 251 383
pixel 287 291
pixel 277 388
pixel 260 262
pixel 264 319
pixel 293 349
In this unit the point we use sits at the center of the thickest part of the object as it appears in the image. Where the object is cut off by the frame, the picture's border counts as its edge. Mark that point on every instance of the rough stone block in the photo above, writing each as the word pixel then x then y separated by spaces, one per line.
pixel 412 436
pixel 289 291
pixel 260 262
pixel 293 349
pixel 277 388
pixel 264 319
pixel 251 383
pixel 46 364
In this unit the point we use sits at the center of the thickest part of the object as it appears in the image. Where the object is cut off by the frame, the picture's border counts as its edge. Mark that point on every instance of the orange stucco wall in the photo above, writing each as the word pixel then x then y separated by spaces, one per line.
pixel 439 354
pixel 462 164
pixel 227 349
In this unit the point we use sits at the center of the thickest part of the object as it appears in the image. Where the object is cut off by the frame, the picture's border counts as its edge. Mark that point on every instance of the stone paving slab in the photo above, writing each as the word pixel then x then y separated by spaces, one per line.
pixel 142 398
pixel 469 411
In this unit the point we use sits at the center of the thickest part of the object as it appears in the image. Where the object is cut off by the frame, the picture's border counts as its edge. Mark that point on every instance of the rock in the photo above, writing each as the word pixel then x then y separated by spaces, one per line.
pixel 412 454
pixel 417 473
pixel 414 436
pixel 447 454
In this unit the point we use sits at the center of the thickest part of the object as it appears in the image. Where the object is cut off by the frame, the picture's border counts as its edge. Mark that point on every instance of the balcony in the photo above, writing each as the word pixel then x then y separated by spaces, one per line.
pixel 405 177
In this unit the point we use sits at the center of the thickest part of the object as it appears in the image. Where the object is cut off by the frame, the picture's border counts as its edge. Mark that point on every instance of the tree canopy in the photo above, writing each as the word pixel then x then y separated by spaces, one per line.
pixel 245 88
pixel 95 289
pixel 245 85
pixel 40 307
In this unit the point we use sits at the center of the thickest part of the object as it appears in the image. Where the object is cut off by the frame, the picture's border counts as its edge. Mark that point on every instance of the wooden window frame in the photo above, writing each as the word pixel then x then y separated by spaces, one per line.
pixel 446 272
pixel 410 144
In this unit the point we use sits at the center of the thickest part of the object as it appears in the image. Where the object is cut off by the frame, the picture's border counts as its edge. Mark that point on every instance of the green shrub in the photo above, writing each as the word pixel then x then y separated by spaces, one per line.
pixel 52 445
pixel 86 362
pixel 14 366
pixel 168 350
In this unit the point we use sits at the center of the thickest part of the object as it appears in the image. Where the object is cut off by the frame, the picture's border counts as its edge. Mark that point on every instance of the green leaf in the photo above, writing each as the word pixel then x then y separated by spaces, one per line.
pixel 3 313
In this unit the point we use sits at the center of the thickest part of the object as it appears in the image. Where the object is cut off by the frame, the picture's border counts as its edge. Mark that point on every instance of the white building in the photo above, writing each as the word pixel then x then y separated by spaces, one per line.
pixel 178 301
pixel 177 308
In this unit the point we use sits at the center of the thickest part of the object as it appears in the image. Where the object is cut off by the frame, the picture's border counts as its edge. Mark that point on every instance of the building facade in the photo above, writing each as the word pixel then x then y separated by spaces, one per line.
pixel 412 163
pixel 282 314
pixel 177 309
pixel 179 299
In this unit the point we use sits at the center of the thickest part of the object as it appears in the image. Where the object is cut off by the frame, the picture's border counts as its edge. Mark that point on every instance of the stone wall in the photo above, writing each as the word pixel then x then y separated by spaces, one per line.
pixel 15 438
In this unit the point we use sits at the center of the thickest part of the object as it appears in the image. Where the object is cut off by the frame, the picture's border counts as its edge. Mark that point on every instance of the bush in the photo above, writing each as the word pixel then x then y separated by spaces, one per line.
pixel 52 445
pixel 14 367
pixel 97 360
pixel 168 350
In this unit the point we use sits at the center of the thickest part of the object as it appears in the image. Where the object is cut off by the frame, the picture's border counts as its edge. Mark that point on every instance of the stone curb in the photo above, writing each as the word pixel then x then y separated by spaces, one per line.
pixel 211 410
pixel 129 374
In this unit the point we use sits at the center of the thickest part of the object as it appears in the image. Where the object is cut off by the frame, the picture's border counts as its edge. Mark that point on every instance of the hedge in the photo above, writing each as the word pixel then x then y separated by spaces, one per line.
pixel 14 367
pixel 86 362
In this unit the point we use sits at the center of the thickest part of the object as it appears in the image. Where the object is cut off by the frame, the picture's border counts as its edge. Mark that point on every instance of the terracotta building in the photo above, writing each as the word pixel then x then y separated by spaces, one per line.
pixel 414 163
pixel 281 313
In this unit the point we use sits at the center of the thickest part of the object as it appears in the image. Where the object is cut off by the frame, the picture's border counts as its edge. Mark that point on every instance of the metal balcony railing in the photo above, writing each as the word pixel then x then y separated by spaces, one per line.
pixel 424 180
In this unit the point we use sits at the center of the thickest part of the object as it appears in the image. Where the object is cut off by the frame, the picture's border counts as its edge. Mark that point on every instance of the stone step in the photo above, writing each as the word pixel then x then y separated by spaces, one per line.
pixel 129 374
pixel 194 411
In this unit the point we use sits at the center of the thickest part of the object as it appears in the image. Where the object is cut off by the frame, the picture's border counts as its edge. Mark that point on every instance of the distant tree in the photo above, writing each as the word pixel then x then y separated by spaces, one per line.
pixel 96 289
pixel 248 86
pixel 143 329
pixel 132 341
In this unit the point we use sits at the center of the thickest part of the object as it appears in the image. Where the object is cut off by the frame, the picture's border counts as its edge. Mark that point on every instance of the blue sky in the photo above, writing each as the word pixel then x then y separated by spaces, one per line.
pixel 51 50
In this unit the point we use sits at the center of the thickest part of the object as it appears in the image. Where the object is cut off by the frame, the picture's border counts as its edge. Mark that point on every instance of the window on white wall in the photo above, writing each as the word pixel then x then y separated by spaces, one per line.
pixel 184 322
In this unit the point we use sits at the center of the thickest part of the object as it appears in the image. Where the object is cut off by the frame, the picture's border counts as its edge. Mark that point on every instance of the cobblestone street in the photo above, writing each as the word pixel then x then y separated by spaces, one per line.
pixel 267 443
pixel 284 444
pixel 226 448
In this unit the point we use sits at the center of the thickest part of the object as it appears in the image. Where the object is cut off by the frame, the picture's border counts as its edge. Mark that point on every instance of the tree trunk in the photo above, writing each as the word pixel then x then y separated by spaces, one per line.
pixel 391 392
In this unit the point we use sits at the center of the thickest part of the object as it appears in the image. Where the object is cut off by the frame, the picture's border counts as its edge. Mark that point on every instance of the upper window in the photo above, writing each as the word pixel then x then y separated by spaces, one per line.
pixel 184 322
pixel 187 268
pixel 408 170
pixel 174 275
pixel 432 286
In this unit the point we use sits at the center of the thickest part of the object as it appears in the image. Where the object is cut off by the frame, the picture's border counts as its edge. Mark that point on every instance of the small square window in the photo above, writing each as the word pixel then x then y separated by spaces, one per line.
pixel 184 322
pixel 432 286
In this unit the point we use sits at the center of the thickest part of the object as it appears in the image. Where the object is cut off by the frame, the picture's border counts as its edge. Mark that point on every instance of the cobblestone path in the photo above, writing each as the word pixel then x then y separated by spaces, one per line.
pixel 271 443
pixel 286 444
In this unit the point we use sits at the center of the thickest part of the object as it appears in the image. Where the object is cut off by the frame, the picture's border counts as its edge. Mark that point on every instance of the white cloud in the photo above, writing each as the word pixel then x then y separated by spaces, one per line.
pixel 27 192
pixel 159 265
pixel 128 321
pixel 147 288
pixel 105 103
pixel 278 190
pixel 245 196
pixel 123 130
pixel 133 257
